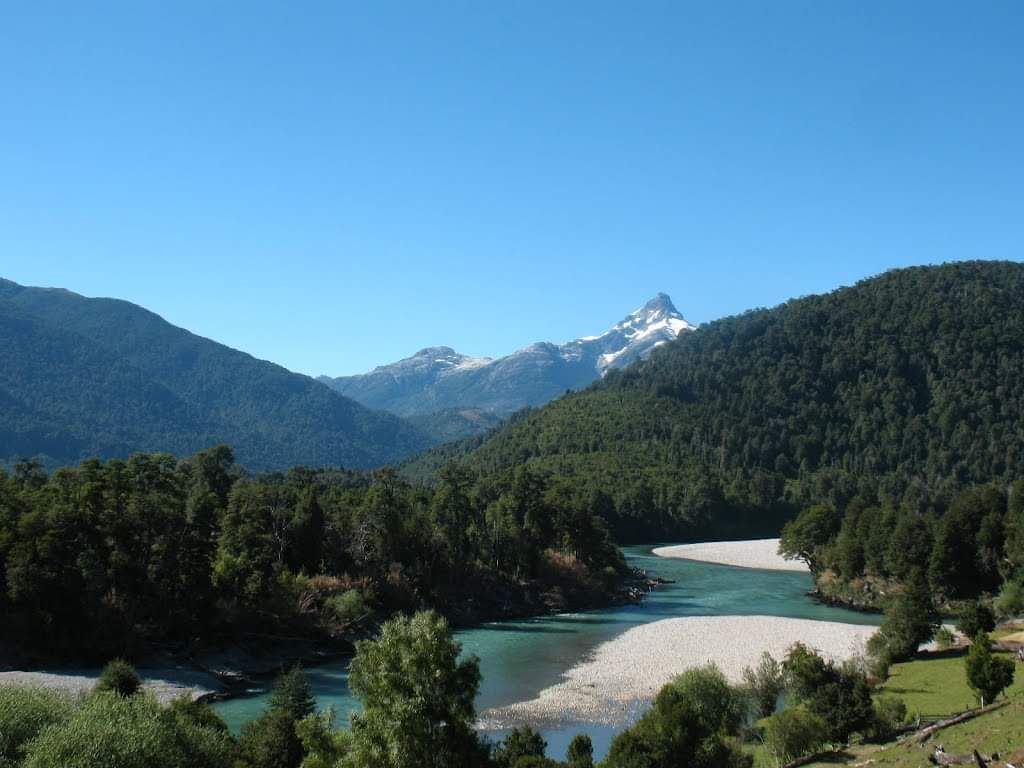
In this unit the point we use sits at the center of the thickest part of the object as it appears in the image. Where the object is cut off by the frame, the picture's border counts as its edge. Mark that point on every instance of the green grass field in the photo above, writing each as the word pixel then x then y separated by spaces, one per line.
pixel 936 687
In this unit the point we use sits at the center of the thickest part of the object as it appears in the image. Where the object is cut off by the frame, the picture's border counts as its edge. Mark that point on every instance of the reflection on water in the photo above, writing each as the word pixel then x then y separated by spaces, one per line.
pixel 520 658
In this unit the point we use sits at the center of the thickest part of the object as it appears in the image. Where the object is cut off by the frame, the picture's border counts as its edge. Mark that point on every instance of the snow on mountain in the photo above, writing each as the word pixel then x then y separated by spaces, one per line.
pixel 439 379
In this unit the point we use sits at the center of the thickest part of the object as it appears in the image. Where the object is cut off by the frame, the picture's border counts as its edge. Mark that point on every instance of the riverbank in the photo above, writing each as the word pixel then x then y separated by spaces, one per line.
pixel 624 674
pixel 755 553
pixel 166 684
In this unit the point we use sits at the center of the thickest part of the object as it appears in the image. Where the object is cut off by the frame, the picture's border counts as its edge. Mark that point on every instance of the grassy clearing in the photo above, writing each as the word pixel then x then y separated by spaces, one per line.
pixel 935 686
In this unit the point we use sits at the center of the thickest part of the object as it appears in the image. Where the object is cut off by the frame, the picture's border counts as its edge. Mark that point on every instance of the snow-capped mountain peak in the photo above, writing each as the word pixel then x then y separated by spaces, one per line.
pixel 436 379
pixel 655 323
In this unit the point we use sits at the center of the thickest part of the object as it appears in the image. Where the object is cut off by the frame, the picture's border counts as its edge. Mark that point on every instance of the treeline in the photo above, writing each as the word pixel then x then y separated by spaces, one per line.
pixel 417 711
pixel 910 384
pixel 103 559
pixel 972 549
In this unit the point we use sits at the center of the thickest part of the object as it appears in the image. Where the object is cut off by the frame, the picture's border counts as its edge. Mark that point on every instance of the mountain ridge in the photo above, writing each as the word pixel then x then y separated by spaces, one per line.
pixel 105 377
pixel 437 379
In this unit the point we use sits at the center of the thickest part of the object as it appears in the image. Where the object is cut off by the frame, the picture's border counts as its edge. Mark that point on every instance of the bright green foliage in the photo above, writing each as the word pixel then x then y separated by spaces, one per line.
pixel 890 714
pixel 689 724
pixel 111 731
pixel 271 741
pixel 792 733
pixel 24 712
pixel 944 638
pixel 120 677
pixel 580 753
pixel 1010 601
pixel 988 675
pixel 763 685
pixel 976 617
pixel 293 694
pixel 521 743
pixel 910 619
pixel 803 537
pixel 417 698
pixel 325 745
pixel 839 695
pixel 347 607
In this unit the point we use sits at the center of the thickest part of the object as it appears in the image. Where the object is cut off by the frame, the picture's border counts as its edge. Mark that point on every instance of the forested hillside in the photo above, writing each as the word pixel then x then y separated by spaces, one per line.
pixel 907 386
pixel 99 377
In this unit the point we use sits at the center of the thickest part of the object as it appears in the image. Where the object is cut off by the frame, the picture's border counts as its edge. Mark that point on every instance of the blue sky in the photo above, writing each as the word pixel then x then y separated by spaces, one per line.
pixel 335 185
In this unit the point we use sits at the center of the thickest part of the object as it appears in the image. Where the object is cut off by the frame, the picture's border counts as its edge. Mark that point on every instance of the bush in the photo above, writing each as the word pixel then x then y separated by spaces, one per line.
pixel 944 638
pixel 839 695
pixel 988 675
pixel 272 741
pixel 25 712
pixel 910 619
pixel 581 752
pixel 347 607
pixel 764 685
pixel 976 617
pixel 293 694
pixel 689 724
pixel 793 733
pixel 120 677
pixel 520 743
pixel 112 731
pixel 1011 600
pixel 890 714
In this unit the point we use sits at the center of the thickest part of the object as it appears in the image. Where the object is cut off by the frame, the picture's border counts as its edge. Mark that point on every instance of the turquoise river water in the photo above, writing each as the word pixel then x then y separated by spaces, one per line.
pixel 520 658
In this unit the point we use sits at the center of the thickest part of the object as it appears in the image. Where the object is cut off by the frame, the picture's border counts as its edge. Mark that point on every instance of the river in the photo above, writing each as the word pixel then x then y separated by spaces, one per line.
pixel 520 658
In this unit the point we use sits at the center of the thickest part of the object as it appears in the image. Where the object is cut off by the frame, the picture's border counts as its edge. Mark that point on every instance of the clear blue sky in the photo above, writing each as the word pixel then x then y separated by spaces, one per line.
pixel 335 185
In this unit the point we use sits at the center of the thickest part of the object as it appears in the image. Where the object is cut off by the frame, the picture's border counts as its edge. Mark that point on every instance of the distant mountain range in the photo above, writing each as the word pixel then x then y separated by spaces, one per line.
pixel 442 389
pixel 85 377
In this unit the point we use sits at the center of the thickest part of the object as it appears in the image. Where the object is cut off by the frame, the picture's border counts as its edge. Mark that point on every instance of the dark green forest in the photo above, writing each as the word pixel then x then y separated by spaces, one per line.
pixel 109 557
pixel 905 388
pixel 864 552
pixel 104 378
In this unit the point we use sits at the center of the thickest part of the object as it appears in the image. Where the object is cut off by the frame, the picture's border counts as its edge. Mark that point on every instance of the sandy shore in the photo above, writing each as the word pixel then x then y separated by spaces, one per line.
pixel 165 684
pixel 759 553
pixel 624 674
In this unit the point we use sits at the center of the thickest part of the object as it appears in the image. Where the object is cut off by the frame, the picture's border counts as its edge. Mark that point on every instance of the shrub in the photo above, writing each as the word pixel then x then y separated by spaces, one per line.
pixel 840 696
pixel 988 675
pixel 293 694
pixel 113 731
pixel 793 733
pixel 910 619
pixel 688 724
pixel 347 607
pixel 272 741
pixel 581 752
pixel 1011 600
pixel 944 638
pixel 120 677
pixel 764 685
pixel 890 714
pixel 24 712
pixel 976 617
pixel 519 744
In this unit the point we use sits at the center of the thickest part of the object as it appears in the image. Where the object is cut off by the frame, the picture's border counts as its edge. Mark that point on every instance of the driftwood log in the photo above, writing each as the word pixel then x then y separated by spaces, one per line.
pixel 920 737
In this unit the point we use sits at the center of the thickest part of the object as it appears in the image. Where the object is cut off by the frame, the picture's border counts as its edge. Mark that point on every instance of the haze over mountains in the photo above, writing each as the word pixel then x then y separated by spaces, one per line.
pixel 85 377
pixel 438 380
